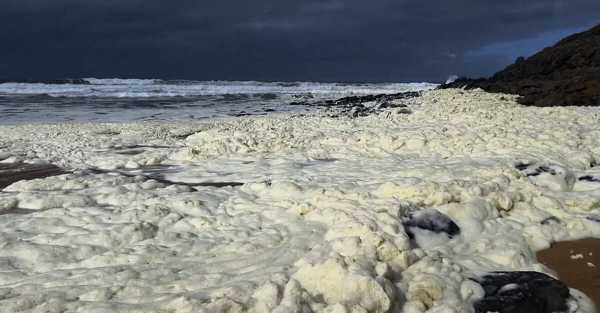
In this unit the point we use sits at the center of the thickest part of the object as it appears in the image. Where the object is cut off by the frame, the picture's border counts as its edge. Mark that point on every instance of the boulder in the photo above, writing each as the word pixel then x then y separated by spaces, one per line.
pixel 430 220
pixel 522 292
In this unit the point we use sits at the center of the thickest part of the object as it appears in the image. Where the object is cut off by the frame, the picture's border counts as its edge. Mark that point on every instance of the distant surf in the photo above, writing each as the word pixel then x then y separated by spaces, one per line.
pixel 121 100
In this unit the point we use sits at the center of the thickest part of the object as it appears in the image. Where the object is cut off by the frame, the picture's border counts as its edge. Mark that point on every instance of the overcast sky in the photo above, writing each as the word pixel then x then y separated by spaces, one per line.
pixel 316 40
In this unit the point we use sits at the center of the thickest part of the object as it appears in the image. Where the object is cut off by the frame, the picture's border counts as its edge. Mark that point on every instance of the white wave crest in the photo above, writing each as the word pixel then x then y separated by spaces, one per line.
pixel 136 88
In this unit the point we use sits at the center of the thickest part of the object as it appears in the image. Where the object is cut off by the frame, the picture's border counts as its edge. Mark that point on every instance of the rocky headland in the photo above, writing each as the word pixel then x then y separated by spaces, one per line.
pixel 566 74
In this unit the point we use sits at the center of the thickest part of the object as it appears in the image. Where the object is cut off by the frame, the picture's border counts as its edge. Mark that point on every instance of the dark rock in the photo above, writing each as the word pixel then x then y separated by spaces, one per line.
pixel 431 220
pixel 353 100
pixel 404 111
pixel 531 170
pixel 563 75
pixel 590 178
pixel 551 220
pixel 355 106
pixel 522 292
pixel 289 84
pixel 522 166
pixel 594 217
pixel 386 105
pixel 543 169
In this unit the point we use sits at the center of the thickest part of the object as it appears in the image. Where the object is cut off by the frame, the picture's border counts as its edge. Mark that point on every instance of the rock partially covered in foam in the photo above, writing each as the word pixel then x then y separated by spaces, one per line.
pixel 430 220
pixel 429 228
pixel 522 292
pixel 595 217
pixel 551 176
pixel 355 106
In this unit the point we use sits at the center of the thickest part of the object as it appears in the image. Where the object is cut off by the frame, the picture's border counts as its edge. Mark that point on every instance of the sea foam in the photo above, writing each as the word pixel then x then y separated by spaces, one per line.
pixel 318 223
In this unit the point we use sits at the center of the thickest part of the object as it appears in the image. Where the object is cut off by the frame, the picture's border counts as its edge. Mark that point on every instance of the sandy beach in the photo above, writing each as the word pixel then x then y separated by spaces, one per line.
pixel 576 263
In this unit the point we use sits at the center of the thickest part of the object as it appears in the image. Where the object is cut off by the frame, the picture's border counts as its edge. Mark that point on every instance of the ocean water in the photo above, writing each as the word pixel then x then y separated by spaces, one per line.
pixel 127 100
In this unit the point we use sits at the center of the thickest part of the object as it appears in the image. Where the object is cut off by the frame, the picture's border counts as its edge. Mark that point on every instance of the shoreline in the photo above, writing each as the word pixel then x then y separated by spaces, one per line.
pixel 327 214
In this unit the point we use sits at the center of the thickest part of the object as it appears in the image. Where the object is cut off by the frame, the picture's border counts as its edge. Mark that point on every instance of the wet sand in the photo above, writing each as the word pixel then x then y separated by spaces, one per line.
pixel 577 264
pixel 14 172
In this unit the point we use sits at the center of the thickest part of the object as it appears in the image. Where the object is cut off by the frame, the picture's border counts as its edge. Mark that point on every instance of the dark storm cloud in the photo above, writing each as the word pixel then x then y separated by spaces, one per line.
pixel 274 40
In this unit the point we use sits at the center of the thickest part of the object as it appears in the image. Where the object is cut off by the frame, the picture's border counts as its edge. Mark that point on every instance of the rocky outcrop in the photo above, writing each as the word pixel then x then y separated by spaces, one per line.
pixel 355 106
pixel 565 74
